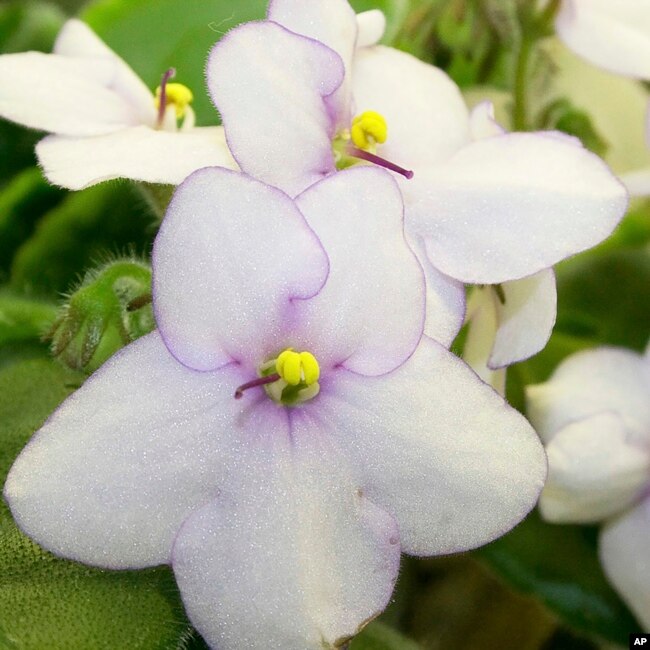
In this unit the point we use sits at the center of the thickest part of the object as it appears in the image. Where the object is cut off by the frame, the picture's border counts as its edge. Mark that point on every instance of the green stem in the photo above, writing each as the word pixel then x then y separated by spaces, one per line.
pixel 520 110
pixel 532 31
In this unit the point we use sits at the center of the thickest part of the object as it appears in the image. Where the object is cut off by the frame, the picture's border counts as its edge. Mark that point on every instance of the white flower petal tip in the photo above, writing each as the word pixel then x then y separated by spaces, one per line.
pixel 371 26
pixel 358 216
pixel 594 471
pixel 612 35
pixel 482 121
pixel 464 471
pixel 138 153
pixel 68 96
pixel 590 382
pixel 542 198
pixel 625 556
pixel 233 296
pixel 106 480
pixel 296 559
pixel 526 319
pixel 283 138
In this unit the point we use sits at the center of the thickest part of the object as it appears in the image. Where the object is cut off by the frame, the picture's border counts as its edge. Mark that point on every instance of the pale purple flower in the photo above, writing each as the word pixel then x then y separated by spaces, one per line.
pixel 283 521
pixel 594 416
pixel 104 120
pixel 480 211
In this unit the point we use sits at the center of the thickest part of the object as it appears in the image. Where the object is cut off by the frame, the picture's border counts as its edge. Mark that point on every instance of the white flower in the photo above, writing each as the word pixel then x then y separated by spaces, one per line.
pixel 283 512
pixel 481 211
pixel 104 120
pixel 612 34
pixel 594 416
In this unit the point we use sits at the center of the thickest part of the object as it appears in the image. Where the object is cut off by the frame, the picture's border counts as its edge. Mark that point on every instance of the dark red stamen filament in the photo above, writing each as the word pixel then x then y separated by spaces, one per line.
pixel 162 106
pixel 382 162
pixel 260 381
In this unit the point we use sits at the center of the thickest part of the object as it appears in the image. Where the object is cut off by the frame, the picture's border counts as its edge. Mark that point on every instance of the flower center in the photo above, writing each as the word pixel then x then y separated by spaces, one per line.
pixel 173 94
pixel 360 141
pixel 289 379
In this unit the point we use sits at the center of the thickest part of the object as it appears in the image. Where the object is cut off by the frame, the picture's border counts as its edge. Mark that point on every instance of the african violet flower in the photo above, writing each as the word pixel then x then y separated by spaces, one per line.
pixel 594 415
pixel 287 430
pixel 105 122
pixel 511 321
pixel 612 35
pixel 302 97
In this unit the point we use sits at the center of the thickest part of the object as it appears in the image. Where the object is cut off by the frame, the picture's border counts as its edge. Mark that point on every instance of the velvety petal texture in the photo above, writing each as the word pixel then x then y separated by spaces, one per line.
pixel 370 314
pixel 137 152
pixel 270 86
pixel 445 304
pixel 590 382
pixel 63 95
pixel 113 473
pixel 294 558
pixel 625 555
pixel 506 207
pixel 427 119
pixel 331 22
pixel 437 448
pixel 614 35
pixel 252 255
pixel 594 471
pixel 526 318
pixel 77 40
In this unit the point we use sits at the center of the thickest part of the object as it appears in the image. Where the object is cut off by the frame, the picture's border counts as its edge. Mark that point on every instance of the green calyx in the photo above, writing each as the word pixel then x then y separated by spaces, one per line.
pixel 111 308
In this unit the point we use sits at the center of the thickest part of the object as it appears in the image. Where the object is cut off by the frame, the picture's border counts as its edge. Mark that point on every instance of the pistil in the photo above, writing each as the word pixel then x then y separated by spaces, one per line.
pixel 162 95
pixel 378 160
pixel 260 381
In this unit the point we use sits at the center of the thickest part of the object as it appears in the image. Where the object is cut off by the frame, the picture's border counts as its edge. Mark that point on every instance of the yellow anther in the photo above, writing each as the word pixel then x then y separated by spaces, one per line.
pixel 297 367
pixel 310 368
pixel 178 95
pixel 368 129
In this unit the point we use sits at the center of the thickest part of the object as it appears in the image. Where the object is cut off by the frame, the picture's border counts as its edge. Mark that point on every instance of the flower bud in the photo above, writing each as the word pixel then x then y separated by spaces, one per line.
pixel 111 308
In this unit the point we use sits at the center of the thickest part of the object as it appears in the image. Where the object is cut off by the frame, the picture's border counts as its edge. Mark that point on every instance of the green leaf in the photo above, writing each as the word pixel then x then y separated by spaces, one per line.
pixel 23 319
pixel 154 35
pixel 23 201
pixel 560 566
pixel 603 297
pixel 379 636
pixel 88 227
pixel 47 602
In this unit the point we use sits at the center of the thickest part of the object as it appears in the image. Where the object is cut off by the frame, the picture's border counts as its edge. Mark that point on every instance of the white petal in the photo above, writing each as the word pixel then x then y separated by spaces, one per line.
pixel 62 95
pixel 425 112
pixel 482 122
pixel 139 153
pixel 332 22
pixel 508 206
pixel 481 332
pixel 371 26
pixel 589 382
pixel 437 448
pixel 370 314
pixel 231 257
pixel 594 472
pixel 445 301
pixel 270 86
pixel 526 318
pixel 612 35
pixel 113 473
pixel 625 555
pixel 76 39
pixel 637 182
pixel 292 557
